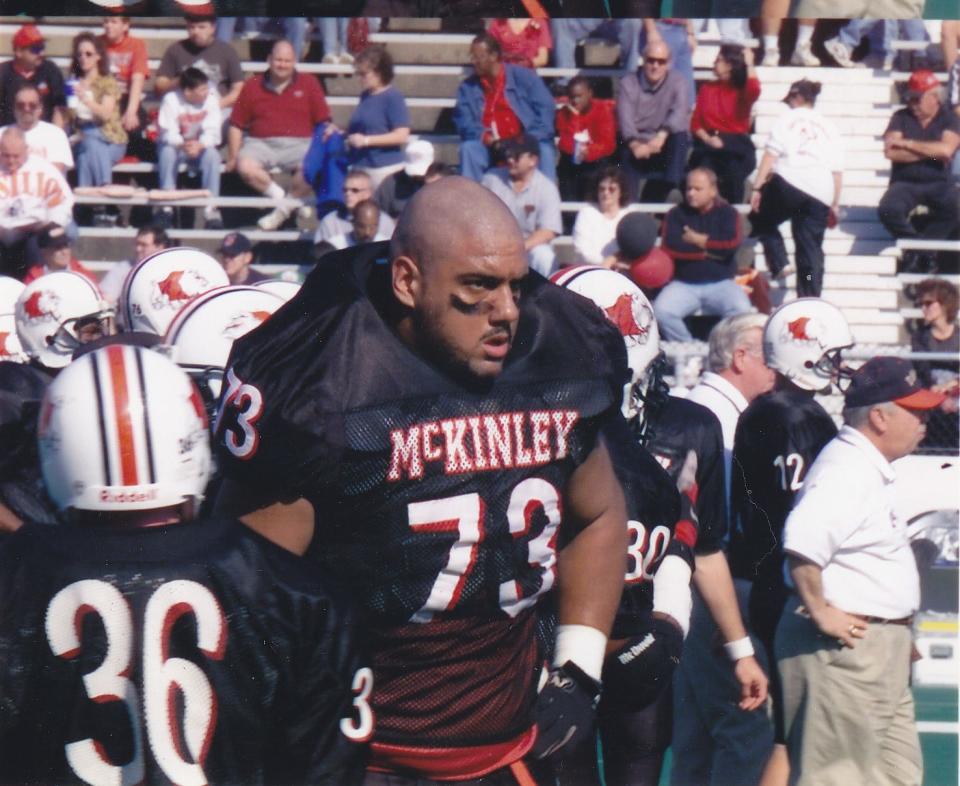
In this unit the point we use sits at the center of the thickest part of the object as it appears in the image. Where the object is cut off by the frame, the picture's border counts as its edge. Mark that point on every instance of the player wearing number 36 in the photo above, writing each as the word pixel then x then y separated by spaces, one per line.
pixel 415 420
pixel 141 645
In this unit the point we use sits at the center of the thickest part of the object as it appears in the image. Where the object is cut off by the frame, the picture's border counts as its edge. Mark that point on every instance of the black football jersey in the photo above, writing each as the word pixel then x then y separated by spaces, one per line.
pixel 22 386
pixel 778 437
pixel 439 504
pixel 653 513
pixel 683 426
pixel 194 653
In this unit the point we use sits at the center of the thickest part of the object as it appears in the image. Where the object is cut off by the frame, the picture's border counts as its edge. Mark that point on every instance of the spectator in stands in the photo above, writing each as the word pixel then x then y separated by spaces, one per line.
pixel 148 240
pixel 395 190
pixel 569 32
pixel 920 141
pixel 96 117
pixel 950 38
pixel 681 40
pixel 292 28
pixel 33 194
pixel 523 42
pixel 772 16
pixel 189 124
pixel 201 49
pixel 937 299
pixel 236 256
pixel 380 125
pixel 44 140
pixel 499 102
pixel 595 230
pixel 799 179
pixel 848 38
pixel 333 34
pixel 30 67
pixel 586 138
pixel 702 237
pixel 127 62
pixel 721 121
pixel 271 125
pixel 654 116
pixel 356 189
pixel 532 198
pixel 364 227
pixel 55 253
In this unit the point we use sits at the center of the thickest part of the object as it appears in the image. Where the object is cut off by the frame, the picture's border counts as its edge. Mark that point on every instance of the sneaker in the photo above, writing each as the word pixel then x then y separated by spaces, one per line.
pixel 346 58
pixel 212 218
pixel 787 271
pixel 839 52
pixel 889 61
pixel 273 220
pixel 104 219
pixel 771 58
pixel 330 59
pixel 802 56
pixel 164 217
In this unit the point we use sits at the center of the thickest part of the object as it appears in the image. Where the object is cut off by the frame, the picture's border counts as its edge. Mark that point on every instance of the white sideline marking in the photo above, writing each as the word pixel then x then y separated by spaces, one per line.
pixel 937 727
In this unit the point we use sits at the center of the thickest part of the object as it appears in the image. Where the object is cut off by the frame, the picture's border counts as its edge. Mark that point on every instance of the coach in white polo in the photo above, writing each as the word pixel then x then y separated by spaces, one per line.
pixel 844 642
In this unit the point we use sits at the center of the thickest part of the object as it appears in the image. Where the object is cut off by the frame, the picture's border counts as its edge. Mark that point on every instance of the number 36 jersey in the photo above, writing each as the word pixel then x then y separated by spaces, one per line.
pixel 193 653
pixel 438 503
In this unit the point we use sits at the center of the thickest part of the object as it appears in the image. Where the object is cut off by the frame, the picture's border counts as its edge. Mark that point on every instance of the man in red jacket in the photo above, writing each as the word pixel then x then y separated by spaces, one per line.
pixel 587 131
pixel 271 125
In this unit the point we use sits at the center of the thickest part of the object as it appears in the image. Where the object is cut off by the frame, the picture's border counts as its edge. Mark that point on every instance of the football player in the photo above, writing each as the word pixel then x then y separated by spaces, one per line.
pixel 778 437
pixel 141 645
pixel 53 315
pixel 416 419
pixel 654 613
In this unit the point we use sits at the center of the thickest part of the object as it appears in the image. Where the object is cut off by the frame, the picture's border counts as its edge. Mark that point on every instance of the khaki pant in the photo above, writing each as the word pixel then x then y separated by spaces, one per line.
pixel 857 9
pixel 848 713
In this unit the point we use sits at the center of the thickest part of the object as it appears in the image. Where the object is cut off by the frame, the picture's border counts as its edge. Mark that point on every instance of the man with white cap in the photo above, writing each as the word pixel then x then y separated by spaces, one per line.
pixel 396 189
pixel 844 642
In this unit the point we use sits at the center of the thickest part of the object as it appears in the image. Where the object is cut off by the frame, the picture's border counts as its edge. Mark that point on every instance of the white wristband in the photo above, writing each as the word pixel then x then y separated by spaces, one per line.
pixel 741 648
pixel 582 644
pixel 671 590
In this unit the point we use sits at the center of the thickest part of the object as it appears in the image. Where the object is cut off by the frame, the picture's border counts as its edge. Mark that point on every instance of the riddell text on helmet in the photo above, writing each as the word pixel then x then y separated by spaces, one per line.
pixel 127 497
pixel 481 442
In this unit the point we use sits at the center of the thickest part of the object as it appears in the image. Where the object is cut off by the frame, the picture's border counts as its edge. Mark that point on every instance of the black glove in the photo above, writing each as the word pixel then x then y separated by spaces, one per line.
pixel 636 674
pixel 565 710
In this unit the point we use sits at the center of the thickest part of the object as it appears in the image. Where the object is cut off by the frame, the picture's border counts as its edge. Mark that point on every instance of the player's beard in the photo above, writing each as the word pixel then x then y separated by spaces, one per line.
pixel 433 345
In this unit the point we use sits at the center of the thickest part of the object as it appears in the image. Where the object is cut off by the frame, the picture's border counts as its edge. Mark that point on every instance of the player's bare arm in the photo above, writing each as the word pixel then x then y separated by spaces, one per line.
pixel 289 525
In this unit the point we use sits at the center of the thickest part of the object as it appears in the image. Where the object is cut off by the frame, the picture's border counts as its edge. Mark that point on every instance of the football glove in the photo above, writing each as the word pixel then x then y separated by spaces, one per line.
pixel 566 710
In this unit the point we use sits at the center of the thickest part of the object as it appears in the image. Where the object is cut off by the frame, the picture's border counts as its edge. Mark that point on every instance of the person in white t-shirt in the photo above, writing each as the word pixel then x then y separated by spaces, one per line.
pixel 844 641
pixel 44 140
pixel 189 122
pixel 595 229
pixel 799 178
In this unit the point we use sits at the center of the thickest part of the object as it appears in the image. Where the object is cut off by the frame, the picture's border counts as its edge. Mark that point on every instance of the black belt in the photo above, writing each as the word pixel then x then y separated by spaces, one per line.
pixel 908 620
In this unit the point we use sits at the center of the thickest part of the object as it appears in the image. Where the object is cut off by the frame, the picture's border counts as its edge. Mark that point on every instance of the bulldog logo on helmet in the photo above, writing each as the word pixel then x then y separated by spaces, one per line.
pixel 631 316
pixel 178 287
pixel 42 306
pixel 242 323
pixel 803 329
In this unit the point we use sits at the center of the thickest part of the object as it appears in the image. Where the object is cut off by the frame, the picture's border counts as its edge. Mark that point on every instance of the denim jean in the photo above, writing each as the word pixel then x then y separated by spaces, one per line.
pixel 333 32
pixel 853 32
pixel 678 299
pixel 95 157
pixel 208 165
pixel 294 28
pixel 567 33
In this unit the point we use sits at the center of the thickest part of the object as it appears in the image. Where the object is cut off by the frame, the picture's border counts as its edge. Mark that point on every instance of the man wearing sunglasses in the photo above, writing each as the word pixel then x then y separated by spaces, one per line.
pixel 44 140
pixel 920 142
pixel 29 67
pixel 339 223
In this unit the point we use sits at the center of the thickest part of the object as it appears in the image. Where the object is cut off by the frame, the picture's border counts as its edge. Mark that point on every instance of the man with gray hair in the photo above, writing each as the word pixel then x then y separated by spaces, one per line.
pixel 715 740
pixel 844 642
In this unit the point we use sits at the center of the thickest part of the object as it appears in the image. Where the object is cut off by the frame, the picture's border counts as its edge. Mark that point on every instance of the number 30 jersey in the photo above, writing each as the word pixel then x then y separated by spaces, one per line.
pixel 438 503
pixel 195 653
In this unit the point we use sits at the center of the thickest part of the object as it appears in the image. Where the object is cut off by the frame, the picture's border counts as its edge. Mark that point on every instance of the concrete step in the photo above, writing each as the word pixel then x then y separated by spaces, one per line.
pixel 873 125
pixel 833 109
pixel 873 299
pixel 878 91
pixel 878 334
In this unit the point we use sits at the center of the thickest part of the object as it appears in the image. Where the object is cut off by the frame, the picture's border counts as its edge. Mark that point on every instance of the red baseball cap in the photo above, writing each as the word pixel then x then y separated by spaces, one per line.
pixel 27 36
pixel 921 81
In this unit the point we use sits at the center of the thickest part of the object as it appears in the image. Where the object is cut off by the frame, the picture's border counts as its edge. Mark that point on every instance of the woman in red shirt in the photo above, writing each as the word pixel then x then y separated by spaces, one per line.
pixel 523 42
pixel 586 138
pixel 721 121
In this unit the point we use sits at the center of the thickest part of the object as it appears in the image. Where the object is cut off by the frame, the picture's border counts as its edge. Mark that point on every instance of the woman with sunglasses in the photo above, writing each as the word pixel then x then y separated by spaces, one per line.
pixel 721 121
pixel 595 229
pixel 799 179
pixel 96 112
pixel 938 299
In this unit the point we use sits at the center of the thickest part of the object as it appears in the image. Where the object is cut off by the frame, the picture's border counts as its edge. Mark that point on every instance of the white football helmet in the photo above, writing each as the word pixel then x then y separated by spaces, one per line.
pixel 203 331
pixel 627 307
pixel 279 287
pixel 11 349
pixel 56 313
pixel 161 284
pixel 802 341
pixel 122 428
